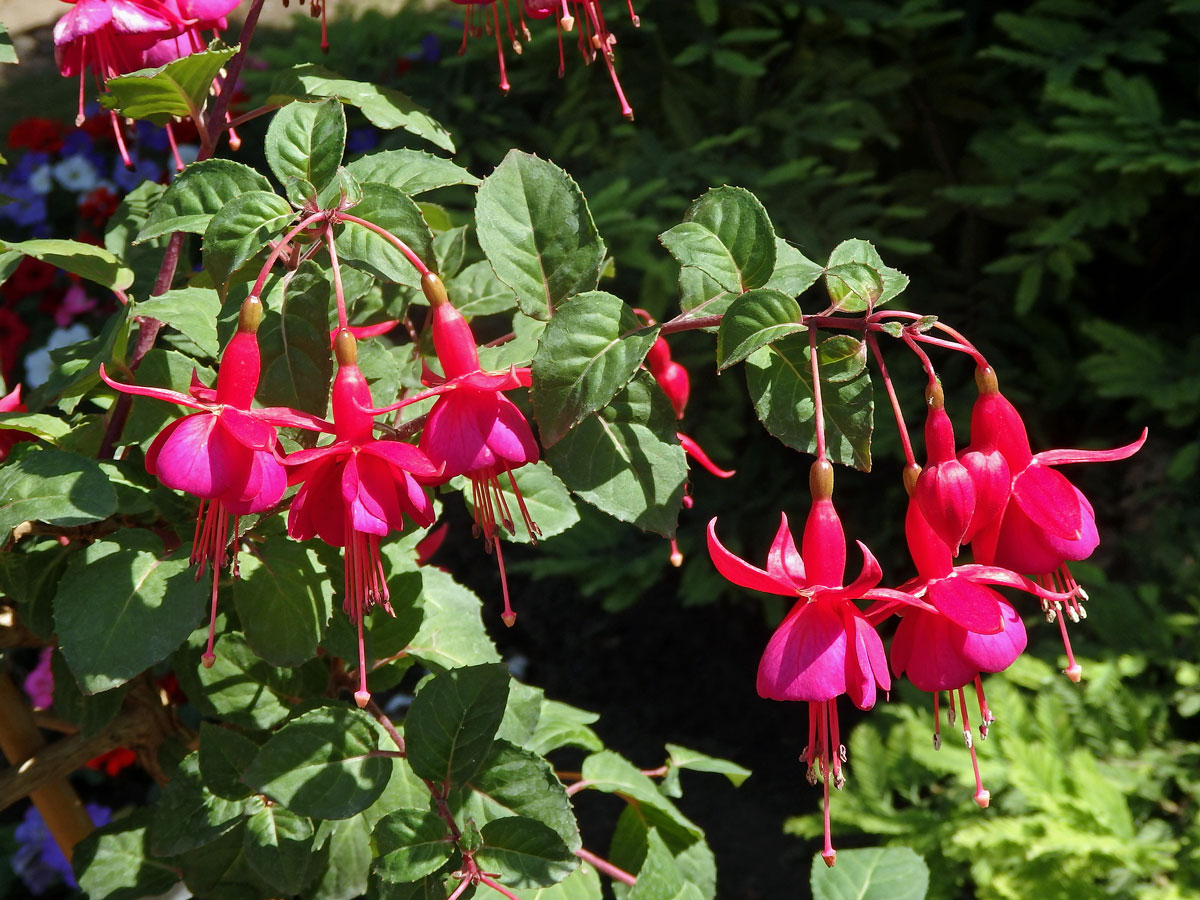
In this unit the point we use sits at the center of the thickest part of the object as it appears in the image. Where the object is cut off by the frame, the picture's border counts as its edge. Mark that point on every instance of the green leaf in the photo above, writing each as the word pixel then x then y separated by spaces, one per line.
pixel 124 604
pixel 659 877
pixel 410 844
pixel 91 714
pixel 535 228
pixel 344 861
pixel 306 141
pixel 123 226
pixel 188 815
pixel 192 311
pixel 278 847
pixel 242 228
pixel 561 725
pixel 545 496
pixel 50 428
pixel 76 367
pixel 219 870
pixel 396 213
pixel 239 687
pixel 294 341
pixel 875 873
pixel 700 295
pixel 410 171
pixel 626 460
pixel 452 721
pixel 513 781
pixel 589 351
pixel 342 192
pixel 684 758
pixel 780 383
pixel 631 850
pixel 582 884
pixel 85 260
pixel 223 756
pixel 198 193
pixel 284 601
pixel 755 319
pixel 384 107
pixel 451 632
pixel 476 291
pixel 114 863
pixel 8 53
pixel 855 285
pixel 525 853
pixel 180 88
pixel 613 774
pixel 320 764
pixel 726 234
pixel 794 272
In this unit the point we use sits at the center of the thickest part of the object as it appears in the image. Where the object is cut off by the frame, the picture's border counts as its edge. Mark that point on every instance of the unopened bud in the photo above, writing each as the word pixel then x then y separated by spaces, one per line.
pixel 985 380
pixel 820 479
pixel 250 315
pixel 345 348
pixel 911 473
pixel 935 397
pixel 435 291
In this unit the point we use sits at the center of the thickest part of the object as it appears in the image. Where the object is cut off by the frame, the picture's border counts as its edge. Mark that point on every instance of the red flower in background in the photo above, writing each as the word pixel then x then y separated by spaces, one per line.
pixel 36 133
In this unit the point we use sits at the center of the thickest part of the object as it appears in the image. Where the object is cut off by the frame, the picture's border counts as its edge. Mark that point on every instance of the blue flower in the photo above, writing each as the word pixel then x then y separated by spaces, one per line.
pixel 362 139
pixel 38 861
pixel 143 170
pixel 151 137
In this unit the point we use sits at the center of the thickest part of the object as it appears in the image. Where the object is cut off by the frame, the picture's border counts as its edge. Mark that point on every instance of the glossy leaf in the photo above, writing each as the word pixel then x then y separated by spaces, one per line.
pixel 41 484
pixel 626 460
pixel 239 687
pixel 476 291
pixel 589 351
pixel 855 251
pixel 451 632
pixel 50 428
pixel 114 863
pixel 306 141
pixel 396 213
pixel 85 260
pixel 278 847
pixel 700 295
pixel 755 319
pixel 223 756
pixel 188 815
pixel 659 877
pixel 90 713
pixel 240 229
pixel 853 286
pixel 524 853
pixel 452 721
pixel 685 758
pixel 871 873
pixel 411 171
pixel 613 774
pixel 284 601
pixel 794 272
pixel 561 725
pixel 535 228
pixel 192 311
pixel 344 860
pixel 178 89
pixel 411 843
pixel 198 193
pixel 726 234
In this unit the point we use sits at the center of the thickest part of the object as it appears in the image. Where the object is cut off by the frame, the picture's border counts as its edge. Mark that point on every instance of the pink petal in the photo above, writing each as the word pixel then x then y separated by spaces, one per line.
pixel 866 663
pixel 1021 545
pixel 966 604
pixel 993 484
pixel 1062 457
pixel 946 495
pixel 303 457
pixel 199 457
pixel 996 652
pixel 86 17
pixel 932 660
pixel 318 508
pixel 366 513
pixel 11 402
pixel 246 429
pixel 929 552
pixel 783 559
pixel 198 389
pixel 132 18
pixel 806 656
pixel 511 438
pixel 1049 500
pixel 403 456
pixel 263 489
pixel 284 417
pixel 740 572
pixel 457 431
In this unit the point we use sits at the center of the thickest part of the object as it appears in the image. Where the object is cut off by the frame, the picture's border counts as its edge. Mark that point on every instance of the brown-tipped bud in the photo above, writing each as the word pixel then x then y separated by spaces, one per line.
pixel 820 479
pixel 250 315
pixel 345 348
pixel 935 398
pixel 435 291
pixel 985 380
pixel 911 473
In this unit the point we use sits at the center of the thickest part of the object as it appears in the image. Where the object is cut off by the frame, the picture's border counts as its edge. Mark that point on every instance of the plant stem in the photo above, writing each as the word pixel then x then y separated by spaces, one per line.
pixel 873 343
pixel 339 295
pixel 818 408
pixel 603 865
pixel 408 252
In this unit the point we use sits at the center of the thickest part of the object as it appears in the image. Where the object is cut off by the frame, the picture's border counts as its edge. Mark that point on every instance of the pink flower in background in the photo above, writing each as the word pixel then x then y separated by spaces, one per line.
pixel 11 402
pixel 39 683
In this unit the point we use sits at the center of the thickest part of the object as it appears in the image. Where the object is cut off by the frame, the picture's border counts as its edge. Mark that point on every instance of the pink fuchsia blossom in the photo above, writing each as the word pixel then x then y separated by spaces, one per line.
pixel 11 402
pixel 357 490
pixel 945 490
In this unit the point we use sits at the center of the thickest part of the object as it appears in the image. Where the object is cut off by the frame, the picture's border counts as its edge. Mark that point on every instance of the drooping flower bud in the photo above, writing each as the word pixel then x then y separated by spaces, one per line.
pixel 945 491
pixel 241 363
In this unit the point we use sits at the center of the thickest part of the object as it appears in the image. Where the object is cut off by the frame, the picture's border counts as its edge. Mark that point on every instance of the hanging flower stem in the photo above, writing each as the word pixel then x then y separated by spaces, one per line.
pixel 905 441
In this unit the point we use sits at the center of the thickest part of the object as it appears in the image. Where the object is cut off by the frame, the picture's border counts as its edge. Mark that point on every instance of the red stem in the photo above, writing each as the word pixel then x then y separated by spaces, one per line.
pixel 818 409
pixel 603 865
pixel 338 294
pixel 387 235
pixel 873 343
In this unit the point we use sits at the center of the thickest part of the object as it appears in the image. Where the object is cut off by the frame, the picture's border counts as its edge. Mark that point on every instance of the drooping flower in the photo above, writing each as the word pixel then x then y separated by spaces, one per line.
pixel 945 491
pixel 356 490
pixel 825 647
pixel 225 453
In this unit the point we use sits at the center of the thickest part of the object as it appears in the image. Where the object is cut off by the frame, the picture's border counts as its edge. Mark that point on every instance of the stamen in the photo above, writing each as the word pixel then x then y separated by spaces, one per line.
pixel 982 796
pixel 633 17
pixel 937 723
pixel 676 555
pixel 1074 670
pixel 509 617
pixel 530 526
pixel 208 658
pixel 828 853
pixel 504 85
pixel 120 140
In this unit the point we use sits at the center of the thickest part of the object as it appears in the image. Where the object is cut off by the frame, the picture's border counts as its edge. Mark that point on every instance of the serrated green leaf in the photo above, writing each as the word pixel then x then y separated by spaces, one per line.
pixel 396 213
pixel 284 600
pixel 700 295
pixel 223 756
pixel 891 281
pixel 726 234
pixel 344 861
pixel 85 260
pixel 476 291
pixel 294 341
pixel 44 426
pixel 875 873
pixel 589 351
pixel 755 319
pixel 626 459
pixel 794 272
pixel 342 192
pixel 410 171
pixel 239 687
pixel 305 141
pixel 853 286
pixel 613 774
pixel 451 632
pixel 560 725
pixel 525 853
pixel 114 863
pixel 180 88
pixel 240 229
pixel 411 843
pixel 192 311
pixel 684 758
pixel 124 604
pixel 188 815
pixel 90 714
pixel 779 378
pixel 198 193
pixel 535 228
pixel 384 107
pixel 452 721
pixel 278 847
pixel 320 764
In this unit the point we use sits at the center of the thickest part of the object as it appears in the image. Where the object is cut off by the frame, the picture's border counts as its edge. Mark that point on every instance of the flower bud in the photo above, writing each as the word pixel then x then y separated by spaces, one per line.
pixel 945 491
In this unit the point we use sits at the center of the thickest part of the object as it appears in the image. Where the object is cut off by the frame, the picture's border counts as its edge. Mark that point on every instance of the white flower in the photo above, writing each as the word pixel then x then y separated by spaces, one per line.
pixel 76 173
pixel 39 179
pixel 38 365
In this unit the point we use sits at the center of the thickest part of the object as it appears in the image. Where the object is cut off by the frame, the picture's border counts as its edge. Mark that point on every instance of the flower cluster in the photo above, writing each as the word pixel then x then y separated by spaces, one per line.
pixel 1024 523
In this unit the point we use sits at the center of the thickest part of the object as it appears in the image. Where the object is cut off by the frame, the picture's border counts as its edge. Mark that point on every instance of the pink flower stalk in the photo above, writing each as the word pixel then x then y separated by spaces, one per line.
pixel 224 453
pixel 825 647
pixel 1045 521
pixel 945 490
pixel 493 27
pixel 11 402
pixel 357 490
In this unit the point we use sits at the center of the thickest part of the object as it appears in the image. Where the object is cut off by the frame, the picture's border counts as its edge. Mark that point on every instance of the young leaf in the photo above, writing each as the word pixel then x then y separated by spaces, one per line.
pixel 525 853
pixel 85 260
pixel 451 632
pixel 535 228
pixel 779 378
pixel 319 764
pixel 684 758
pixel 853 286
pixel 863 253
pixel 306 141
pixel 395 212
pixel 242 228
pixel 452 721
pixel 613 774
pixel 410 171
pixel 180 88
pixel 794 272
pixel 589 351
pixel 411 843
pixel 284 600
pixel 123 605
pixel 874 873
pixel 626 460
pixel 197 194
pixel 755 319
pixel 726 234
pixel 40 484
pixel 278 847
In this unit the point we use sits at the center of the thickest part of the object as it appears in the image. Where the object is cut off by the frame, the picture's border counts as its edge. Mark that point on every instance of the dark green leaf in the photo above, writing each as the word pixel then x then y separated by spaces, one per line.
pixel 753 320
pixel 242 228
pixel 410 171
pixel 451 633
pixel 219 870
pixel 188 815
pixel 284 601
pixel 780 382
pixel 613 774
pixel 727 234
pixel 452 721
pixel 192 311
pixel 123 605
pixel 223 756
pixel 525 853
pixel 589 351
pixel 294 341
pixel 626 459
pixel 76 367
pixel 131 215
pixel 875 873
pixel 549 504
pixel 347 861
pixel 476 291
pixel 180 88
pixel 278 847
pixel 114 863
pixel 198 193
pixel 320 764
pixel 513 781
pixel 306 141
pixel 239 687
pixel 85 260
pixel 411 843
pixel 534 225
pixel 794 272
pixel 42 484
pixel 700 295
pixel 384 636
pixel 91 714
pixel 398 214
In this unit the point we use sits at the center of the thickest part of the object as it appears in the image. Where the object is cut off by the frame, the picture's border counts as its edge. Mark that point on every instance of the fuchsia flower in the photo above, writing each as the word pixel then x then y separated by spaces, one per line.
pixel 825 647
pixel 225 453
pixel 355 491
pixel 945 491
pixel 11 402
